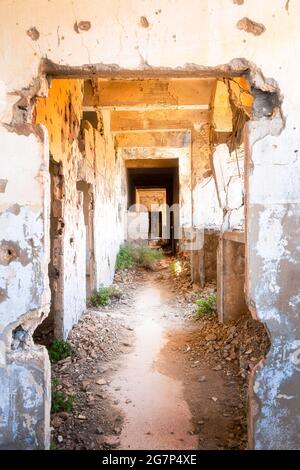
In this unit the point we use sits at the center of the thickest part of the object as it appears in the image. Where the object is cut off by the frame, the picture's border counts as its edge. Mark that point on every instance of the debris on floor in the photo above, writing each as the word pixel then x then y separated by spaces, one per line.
pixel 240 344
pixel 212 360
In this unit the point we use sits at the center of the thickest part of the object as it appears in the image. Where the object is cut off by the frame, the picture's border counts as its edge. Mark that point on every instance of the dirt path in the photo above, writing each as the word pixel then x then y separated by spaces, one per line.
pixel 140 381
pixel 156 414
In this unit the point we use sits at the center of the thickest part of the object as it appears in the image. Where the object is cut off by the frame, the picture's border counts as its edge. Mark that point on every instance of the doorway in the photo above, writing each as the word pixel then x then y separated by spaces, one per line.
pixel 156 191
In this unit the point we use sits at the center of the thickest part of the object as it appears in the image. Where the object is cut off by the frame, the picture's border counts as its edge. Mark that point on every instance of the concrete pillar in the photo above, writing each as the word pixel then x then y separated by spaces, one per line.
pixel 197 267
pixel 211 242
pixel 231 276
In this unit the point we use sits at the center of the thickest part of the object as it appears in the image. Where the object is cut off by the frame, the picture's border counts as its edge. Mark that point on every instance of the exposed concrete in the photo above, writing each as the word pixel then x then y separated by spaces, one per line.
pixel 251 26
pixel 175 139
pixel 211 241
pixel 158 119
pixel 197 261
pixel 231 277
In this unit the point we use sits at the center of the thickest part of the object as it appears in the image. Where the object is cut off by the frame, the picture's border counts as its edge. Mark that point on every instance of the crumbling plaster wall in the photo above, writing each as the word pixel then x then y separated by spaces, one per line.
pixel 85 154
pixel 207 212
pixel 25 295
pixel 229 176
pixel 110 203
pixel 218 178
pixel 61 113
pixel 207 33
pixel 231 107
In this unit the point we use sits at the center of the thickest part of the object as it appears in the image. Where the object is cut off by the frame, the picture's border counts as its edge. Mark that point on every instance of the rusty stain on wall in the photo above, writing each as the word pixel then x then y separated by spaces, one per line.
pixel 251 26
pixel 144 22
pixel 3 183
pixel 82 26
pixel 33 33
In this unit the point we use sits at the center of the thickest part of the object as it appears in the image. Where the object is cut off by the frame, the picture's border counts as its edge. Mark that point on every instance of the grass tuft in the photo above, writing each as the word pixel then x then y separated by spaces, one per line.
pixel 60 400
pixel 137 255
pixel 103 296
pixel 125 257
pixel 206 305
pixel 59 349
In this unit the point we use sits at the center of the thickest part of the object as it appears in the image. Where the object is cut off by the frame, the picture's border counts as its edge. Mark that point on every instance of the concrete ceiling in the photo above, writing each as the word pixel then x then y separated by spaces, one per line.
pixel 194 93
pixel 158 119
pixel 153 113
pixel 153 139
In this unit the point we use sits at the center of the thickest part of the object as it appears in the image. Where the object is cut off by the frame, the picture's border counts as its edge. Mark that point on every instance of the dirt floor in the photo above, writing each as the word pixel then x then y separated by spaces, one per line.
pixel 147 373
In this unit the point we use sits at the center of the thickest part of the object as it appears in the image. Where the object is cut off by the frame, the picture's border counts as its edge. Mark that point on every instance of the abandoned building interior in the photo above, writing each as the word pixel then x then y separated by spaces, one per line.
pixel 121 146
pixel 97 155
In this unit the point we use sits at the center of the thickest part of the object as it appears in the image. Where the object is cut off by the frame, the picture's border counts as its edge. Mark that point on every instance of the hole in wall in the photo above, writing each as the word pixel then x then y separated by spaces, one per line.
pixel 263 107
pixel 9 252
pixel 19 338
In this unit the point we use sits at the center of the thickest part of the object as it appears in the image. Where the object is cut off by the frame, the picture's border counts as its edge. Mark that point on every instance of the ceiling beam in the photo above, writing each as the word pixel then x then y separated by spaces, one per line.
pixel 156 120
pixel 147 107
pixel 153 92
pixel 153 139
pixel 151 163
pixel 148 153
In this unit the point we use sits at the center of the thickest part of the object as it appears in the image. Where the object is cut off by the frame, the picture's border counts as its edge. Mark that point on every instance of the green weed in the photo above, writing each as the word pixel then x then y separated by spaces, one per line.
pixel 206 305
pixel 60 400
pixel 137 255
pixel 59 349
pixel 124 258
pixel 102 296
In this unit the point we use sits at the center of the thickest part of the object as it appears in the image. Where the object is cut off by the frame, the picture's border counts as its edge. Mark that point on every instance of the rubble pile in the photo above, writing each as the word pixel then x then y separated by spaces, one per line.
pixel 232 349
pixel 241 343
pixel 103 334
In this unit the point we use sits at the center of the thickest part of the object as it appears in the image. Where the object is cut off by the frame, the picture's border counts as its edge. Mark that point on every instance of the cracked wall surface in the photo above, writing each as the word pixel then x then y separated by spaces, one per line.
pixel 25 302
pixel 61 114
pixel 114 43
pixel 85 154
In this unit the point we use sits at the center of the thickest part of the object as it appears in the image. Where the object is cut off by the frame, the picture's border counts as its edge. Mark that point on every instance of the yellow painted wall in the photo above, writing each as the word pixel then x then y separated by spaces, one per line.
pixel 61 113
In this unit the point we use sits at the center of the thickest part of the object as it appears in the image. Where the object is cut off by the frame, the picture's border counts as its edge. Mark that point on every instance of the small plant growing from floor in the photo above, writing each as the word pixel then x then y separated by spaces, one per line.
pixel 124 257
pixel 59 349
pixel 102 296
pixel 131 255
pixel 206 305
pixel 146 256
pixel 60 401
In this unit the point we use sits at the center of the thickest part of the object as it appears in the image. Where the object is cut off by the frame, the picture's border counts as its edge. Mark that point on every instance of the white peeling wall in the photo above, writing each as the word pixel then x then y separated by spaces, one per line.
pixel 110 205
pixel 24 290
pixel 74 249
pixel 24 219
pixel 207 211
pixel 274 261
pixel 229 181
